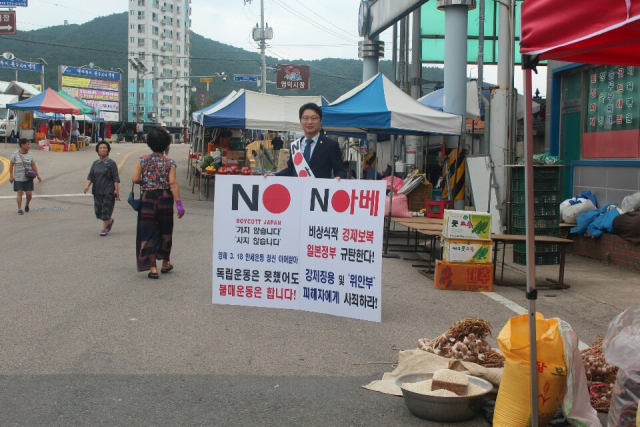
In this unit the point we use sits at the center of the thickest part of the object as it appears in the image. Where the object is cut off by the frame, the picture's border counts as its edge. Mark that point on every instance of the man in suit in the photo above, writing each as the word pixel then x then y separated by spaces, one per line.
pixel 321 153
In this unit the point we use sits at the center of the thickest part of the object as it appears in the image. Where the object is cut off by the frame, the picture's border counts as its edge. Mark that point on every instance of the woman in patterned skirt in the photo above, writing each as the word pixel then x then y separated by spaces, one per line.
pixel 105 179
pixel 156 175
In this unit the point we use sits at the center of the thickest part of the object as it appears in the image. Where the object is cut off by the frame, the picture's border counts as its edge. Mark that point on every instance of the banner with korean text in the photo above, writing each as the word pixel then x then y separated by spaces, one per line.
pixel 303 244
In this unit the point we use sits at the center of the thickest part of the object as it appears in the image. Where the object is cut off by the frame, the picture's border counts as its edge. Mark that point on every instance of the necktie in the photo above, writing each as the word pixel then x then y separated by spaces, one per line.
pixel 307 150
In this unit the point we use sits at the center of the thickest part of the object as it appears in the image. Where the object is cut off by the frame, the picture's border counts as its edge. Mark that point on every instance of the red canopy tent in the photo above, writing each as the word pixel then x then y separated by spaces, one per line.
pixel 590 32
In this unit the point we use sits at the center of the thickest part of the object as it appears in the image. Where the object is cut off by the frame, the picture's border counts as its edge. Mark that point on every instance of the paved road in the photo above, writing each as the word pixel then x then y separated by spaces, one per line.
pixel 86 340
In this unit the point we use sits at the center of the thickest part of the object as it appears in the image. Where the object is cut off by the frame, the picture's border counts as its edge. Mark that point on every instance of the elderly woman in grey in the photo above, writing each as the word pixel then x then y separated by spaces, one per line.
pixel 105 179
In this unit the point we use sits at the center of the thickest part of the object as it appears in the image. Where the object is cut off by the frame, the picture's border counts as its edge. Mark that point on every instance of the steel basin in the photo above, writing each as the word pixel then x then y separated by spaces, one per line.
pixel 439 408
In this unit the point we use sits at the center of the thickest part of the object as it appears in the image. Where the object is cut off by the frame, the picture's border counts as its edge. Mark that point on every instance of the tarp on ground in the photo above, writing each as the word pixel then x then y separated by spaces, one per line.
pixel 435 100
pixel 47 102
pixel 254 110
pixel 84 108
pixel 196 116
pixel 379 106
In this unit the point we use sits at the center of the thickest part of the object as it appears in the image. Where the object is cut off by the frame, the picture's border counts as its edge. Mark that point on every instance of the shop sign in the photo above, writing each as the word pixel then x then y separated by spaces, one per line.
pixel 89 72
pixel 302 244
pixel 14 3
pixel 90 83
pixel 7 22
pixel 20 65
pixel 109 116
pixel 292 77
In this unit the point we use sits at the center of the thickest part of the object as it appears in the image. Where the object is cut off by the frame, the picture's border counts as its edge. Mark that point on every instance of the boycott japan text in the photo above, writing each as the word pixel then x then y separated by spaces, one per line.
pixel 313 245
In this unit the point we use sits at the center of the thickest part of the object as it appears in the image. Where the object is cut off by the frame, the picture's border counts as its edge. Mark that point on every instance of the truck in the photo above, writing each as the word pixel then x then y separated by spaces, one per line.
pixel 8 118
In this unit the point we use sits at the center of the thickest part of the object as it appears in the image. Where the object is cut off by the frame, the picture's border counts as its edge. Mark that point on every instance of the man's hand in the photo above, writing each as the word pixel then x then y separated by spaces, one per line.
pixel 39 179
pixel 11 179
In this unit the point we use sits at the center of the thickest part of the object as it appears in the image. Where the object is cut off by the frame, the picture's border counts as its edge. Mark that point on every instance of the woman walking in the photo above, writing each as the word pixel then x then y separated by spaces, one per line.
pixel 156 175
pixel 105 179
pixel 21 170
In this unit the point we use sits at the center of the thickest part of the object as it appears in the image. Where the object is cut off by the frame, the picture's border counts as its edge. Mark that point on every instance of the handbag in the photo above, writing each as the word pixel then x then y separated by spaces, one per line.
pixel 136 204
pixel 28 172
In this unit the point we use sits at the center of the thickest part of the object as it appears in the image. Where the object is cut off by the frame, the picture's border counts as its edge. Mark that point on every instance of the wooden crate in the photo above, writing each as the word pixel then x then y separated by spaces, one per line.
pixel 416 199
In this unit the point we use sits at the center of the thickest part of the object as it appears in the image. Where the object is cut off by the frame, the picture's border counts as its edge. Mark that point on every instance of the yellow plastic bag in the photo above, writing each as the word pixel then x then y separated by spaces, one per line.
pixel 513 405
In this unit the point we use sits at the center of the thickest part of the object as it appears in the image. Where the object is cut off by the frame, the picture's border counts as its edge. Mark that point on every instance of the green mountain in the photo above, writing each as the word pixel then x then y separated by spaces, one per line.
pixel 103 41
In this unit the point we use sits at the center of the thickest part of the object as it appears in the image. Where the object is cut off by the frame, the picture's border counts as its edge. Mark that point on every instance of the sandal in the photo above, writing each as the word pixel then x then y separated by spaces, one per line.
pixel 166 270
pixel 110 225
pixel 103 232
pixel 153 275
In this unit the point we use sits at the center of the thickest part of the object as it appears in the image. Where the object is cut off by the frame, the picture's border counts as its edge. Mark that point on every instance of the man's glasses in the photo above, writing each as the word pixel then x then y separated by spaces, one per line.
pixel 309 119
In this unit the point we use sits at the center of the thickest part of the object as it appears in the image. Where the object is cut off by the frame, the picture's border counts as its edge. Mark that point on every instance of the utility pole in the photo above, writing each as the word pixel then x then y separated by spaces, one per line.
pixel 137 65
pixel 263 62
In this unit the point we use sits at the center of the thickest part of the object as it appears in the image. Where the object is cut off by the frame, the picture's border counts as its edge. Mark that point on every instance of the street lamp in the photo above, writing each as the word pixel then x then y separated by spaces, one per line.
pixel 139 67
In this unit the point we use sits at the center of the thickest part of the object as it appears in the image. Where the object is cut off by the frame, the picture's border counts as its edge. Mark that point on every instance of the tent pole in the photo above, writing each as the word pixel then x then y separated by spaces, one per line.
pixel 393 173
pixel 530 244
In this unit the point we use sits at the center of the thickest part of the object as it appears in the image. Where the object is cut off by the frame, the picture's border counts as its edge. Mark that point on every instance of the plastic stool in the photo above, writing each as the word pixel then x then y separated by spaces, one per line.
pixel 435 208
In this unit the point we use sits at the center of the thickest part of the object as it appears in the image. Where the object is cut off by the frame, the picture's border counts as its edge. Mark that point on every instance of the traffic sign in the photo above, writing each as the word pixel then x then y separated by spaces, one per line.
pixel 8 22
pixel 13 3
pixel 251 79
pixel 206 79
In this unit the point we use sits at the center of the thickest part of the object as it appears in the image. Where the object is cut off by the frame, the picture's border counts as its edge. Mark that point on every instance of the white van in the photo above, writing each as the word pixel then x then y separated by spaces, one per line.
pixel 8 118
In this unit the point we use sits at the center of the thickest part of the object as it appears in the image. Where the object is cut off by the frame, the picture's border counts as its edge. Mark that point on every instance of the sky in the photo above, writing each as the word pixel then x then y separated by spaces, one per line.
pixel 303 29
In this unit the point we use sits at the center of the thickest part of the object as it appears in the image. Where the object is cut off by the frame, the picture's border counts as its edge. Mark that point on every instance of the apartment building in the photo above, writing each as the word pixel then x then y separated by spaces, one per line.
pixel 159 60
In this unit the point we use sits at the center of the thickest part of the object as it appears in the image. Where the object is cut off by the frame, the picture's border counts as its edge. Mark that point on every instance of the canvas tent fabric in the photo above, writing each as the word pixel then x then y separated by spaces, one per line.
pixel 47 102
pixel 7 99
pixel 435 100
pixel 589 31
pixel 254 110
pixel 21 89
pixel 378 106
pixel 196 116
pixel 84 108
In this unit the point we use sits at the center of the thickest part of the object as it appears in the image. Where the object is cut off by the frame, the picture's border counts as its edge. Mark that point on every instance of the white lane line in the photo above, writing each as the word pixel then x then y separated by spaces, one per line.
pixel 37 196
pixel 518 309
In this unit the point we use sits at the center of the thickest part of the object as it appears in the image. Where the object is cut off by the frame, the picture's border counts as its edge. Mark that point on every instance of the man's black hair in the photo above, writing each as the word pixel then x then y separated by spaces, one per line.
pixel 310 106
pixel 158 140
pixel 23 141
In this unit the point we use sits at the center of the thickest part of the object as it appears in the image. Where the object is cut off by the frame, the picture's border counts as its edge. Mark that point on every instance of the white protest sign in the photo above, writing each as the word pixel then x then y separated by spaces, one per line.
pixel 304 244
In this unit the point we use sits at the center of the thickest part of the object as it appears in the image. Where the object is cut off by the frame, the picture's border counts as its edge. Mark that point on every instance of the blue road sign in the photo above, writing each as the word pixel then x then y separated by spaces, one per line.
pixel 252 79
pixel 14 3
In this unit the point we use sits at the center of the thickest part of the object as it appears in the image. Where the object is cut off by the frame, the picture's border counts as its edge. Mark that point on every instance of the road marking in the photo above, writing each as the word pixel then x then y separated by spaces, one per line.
pixel 124 159
pixel 519 309
pixel 51 195
pixel 5 170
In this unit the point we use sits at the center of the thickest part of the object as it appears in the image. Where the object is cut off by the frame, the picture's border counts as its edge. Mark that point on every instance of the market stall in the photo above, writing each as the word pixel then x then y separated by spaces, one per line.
pixel 48 101
pixel 589 32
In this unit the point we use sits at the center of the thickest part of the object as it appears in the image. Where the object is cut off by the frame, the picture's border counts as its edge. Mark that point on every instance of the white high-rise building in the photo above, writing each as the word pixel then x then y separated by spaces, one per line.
pixel 159 43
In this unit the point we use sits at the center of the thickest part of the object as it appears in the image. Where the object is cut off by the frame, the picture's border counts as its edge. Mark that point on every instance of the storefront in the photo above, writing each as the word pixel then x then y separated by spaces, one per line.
pixel 594 126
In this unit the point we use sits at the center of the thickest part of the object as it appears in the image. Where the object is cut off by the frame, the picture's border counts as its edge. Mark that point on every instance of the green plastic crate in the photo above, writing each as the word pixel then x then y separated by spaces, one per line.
pixel 540 185
pixel 541 248
pixel 518 197
pixel 546 210
pixel 519 222
pixel 540 259
pixel 551 232
pixel 538 173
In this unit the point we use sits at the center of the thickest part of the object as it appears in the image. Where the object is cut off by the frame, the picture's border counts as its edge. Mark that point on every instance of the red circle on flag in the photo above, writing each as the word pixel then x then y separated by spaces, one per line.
pixel 340 201
pixel 297 159
pixel 276 198
pixel 303 174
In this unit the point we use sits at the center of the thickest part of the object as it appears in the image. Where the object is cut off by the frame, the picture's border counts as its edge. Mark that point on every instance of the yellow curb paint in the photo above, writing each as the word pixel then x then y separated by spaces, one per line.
pixel 5 170
pixel 124 159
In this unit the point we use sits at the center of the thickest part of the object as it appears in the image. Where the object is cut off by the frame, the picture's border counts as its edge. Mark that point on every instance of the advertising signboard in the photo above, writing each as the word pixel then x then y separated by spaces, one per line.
pixel 20 65
pixel 109 116
pixel 14 3
pixel 90 83
pixel 101 95
pixel 292 77
pixel 103 105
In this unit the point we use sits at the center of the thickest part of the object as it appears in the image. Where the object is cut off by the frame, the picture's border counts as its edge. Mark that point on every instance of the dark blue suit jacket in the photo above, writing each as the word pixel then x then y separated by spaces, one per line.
pixel 326 158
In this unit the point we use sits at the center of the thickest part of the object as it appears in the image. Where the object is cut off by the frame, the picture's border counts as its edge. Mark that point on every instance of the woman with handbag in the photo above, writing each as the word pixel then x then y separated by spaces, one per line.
pixel 156 175
pixel 22 172
pixel 105 179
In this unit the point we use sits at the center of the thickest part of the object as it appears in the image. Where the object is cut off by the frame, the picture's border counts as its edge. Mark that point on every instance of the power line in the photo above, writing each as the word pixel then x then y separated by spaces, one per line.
pixel 326 20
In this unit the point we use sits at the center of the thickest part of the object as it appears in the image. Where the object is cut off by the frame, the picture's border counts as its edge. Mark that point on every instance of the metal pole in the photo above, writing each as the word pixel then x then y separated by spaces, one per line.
pixel 42 78
pixel 394 55
pixel 186 119
pixel 416 64
pixel 263 62
pixel 393 173
pixel 530 244
pixel 137 94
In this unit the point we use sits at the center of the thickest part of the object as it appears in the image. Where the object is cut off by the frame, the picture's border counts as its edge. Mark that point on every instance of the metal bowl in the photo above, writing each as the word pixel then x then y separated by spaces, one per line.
pixel 440 408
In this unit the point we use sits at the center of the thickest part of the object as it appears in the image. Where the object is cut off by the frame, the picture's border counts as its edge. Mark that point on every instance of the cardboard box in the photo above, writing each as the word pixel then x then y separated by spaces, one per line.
pixel 464 277
pixel 234 155
pixel 466 225
pixel 57 147
pixel 467 251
